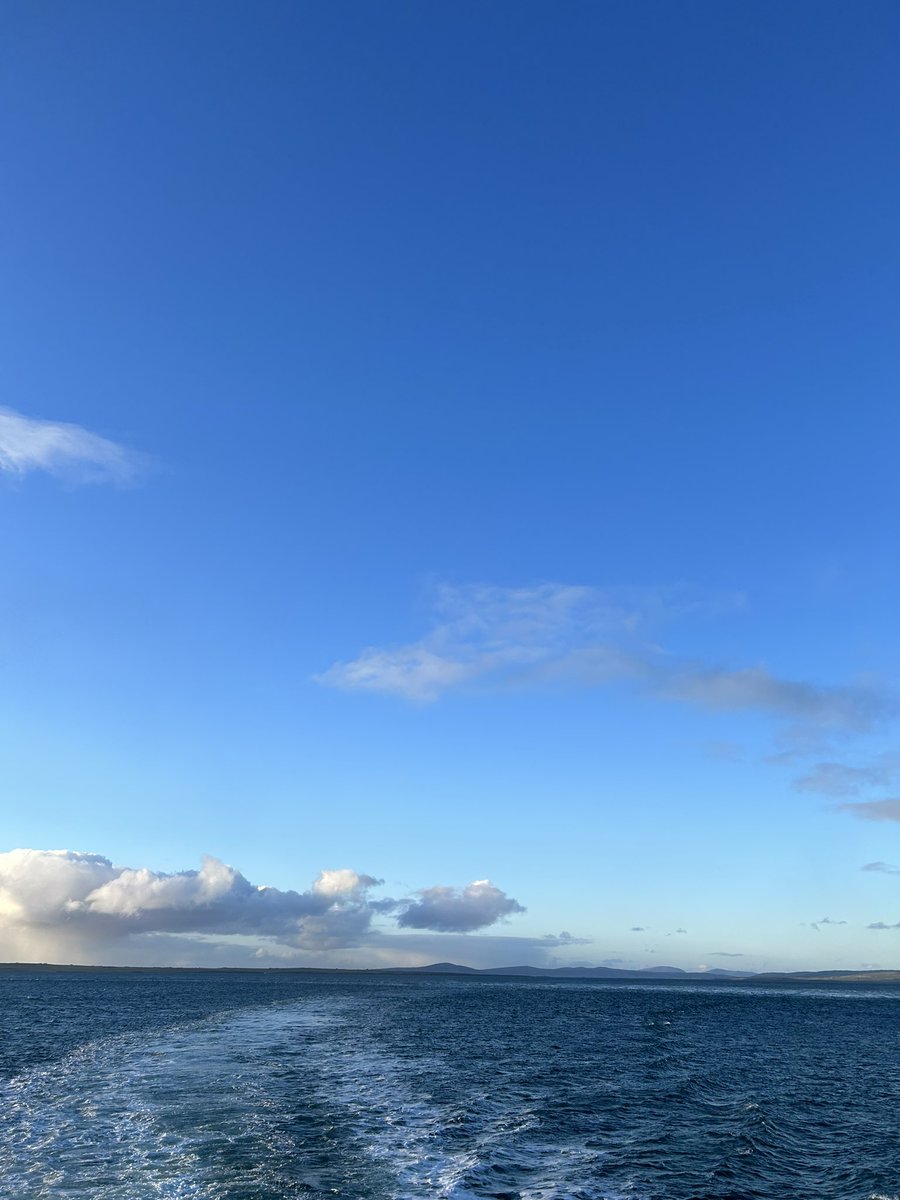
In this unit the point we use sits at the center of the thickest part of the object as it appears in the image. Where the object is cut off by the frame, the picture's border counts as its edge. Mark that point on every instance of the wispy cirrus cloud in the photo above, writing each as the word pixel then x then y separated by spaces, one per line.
pixel 414 672
pixel 512 635
pixel 65 450
pixel 560 634
pixel 882 867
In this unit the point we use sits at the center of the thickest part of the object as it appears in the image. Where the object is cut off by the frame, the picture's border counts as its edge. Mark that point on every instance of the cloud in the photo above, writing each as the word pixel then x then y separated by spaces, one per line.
pixel 873 810
pixel 725 954
pixel 638 929
pixel 725 751
pixel 453 910
pixel 343 883
pixel 564 938
pixel 64 902
pixel 414 672
pixel 545 633
pixel 85 893
pixel 883 867
pixel 835 779
pixel 411 947
pixel 839 779
pixel 881 925
pixel 824 921
pixel 755 688
pixel 65 450
pixel 566 635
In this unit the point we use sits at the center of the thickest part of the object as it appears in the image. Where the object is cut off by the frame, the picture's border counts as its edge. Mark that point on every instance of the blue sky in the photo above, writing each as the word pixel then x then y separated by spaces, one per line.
pixel 445 444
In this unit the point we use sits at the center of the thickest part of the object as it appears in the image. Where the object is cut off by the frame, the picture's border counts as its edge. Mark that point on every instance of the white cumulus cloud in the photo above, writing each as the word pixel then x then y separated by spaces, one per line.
pixel 86 894
pixel 59 905
pixel 458 910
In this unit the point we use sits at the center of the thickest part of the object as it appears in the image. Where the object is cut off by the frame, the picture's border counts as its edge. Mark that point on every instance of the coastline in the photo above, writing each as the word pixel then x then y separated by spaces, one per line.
pixel 585 974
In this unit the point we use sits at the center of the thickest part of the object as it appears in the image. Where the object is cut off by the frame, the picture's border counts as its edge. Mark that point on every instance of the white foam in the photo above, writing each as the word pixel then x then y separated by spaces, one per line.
pixel 131 1116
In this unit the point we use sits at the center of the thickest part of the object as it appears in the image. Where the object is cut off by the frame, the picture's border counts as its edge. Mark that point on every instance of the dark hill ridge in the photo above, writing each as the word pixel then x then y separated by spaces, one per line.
pixel 717 974
pixel 445 968
pixel 828 977
pixel 672 973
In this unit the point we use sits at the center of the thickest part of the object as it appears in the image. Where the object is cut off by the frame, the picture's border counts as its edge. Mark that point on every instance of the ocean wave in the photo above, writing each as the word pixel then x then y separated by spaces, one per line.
pixel 418 1090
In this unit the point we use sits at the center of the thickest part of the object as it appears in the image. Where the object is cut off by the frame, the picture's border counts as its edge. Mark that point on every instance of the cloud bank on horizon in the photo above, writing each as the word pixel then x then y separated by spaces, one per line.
pixel 65 450
pixel 58 902
pixel 68 906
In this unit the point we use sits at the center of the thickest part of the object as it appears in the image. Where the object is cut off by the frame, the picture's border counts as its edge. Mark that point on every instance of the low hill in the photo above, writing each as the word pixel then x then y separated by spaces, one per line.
pixel 523 970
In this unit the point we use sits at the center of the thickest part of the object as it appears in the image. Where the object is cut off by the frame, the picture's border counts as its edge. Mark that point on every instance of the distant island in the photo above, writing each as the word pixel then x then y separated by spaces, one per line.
pixel 644 974
pixel 716 974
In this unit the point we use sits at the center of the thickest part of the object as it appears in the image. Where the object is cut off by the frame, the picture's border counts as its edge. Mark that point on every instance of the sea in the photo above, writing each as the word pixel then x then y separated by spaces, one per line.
pixel 269 1086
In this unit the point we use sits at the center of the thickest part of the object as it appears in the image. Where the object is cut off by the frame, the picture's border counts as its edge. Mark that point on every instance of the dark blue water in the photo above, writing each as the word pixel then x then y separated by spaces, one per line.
pixel 265 1087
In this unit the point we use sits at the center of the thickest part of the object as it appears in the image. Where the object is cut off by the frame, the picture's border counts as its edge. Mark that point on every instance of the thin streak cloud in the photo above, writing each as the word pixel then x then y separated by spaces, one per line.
pixel 65 450
pixel 564 635
pixel 842 779
pixel 817 925
pixel 873 810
